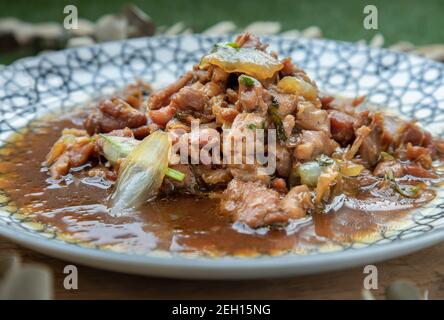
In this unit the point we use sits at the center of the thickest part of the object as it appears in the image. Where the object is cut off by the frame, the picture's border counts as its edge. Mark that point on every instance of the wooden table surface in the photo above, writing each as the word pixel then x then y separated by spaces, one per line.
pixel 425 268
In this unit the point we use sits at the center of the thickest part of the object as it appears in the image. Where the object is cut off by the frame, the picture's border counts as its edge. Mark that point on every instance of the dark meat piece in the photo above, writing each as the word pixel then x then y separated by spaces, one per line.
pixel 279 185
pixel 289 68
pixel 314 143
pixel 420 155
pixel 341 126
pixel 112 115
pixel 162 97
pixel 410 132
pixel 371 147
pixel 136 93
pixel 418 171
pixel 190 184
pixel 189 97
pixel 162 115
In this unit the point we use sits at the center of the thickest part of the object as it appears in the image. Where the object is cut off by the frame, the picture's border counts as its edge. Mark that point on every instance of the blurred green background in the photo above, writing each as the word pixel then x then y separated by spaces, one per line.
pixel 420 22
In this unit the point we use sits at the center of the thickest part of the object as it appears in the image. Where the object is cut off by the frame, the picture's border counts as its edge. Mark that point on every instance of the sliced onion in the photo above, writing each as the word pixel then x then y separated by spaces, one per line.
pixel 141 173
pixel 298 86
pixel 115 148
pixel 250 61
pixel 350 169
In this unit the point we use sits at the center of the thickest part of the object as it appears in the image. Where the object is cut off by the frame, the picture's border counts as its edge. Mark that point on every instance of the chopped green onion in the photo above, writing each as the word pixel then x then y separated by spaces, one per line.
pixel 233 45
pixel 175 174
pixel 247 81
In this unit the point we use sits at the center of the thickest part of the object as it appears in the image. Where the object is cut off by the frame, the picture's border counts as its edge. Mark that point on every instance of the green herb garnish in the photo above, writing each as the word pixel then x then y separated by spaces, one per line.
pixel 253 126
pixel 233 45
pixel 405 190
pixel 324 160
pixel 246 80
pixel 275 117
pixel 387 156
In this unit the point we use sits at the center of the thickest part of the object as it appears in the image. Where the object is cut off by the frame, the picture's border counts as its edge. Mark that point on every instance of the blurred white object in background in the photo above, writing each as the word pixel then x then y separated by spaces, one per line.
pixel 263 27
pixel 220 28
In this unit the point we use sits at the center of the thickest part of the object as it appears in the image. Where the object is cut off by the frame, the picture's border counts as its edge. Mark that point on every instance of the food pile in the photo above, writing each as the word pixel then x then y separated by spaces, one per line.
pixel 330 152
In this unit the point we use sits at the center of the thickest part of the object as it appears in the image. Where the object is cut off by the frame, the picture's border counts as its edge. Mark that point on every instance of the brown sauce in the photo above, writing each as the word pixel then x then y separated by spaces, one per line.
pixel 77 210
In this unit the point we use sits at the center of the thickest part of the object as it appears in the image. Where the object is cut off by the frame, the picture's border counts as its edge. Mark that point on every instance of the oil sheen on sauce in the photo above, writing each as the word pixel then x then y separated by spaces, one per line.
pixel 77 210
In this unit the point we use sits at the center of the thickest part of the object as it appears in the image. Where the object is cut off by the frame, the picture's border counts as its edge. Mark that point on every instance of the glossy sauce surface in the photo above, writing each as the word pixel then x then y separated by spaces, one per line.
pixel 77 209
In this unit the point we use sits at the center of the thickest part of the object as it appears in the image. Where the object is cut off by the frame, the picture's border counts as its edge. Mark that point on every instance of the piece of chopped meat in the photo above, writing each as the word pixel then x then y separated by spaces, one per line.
pixel 256 205
pixel 249 172
pixel 411 132
pixel 252 203
pixel 162 97
pixel 125 132
pixel 418 171
pixel 311 118
pixel 189 185
pixel 287 103
pixel 136 93
pixel 297 202
pixel 248 40
pixel 283 161
pixel 219 75
pixel 224 115
pixel 232 96
pixel 190 97
pixel 420 155
pixel 385 166
pixel 312 144
pixel 371 147
pixel 213 177
pixel 112 115
pixel 279 185
pixel 163 115
pixel 141 132
pixel 341 126
pixel 69 152
pixel 212 89
pixel 251 98
pixel 289 68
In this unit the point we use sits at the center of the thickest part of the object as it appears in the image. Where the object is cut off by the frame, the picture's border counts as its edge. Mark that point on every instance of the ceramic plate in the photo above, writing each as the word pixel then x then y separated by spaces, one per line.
pixel 407 85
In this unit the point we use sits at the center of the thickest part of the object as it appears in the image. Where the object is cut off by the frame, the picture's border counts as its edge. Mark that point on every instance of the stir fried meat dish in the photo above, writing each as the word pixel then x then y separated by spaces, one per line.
pixel 327 150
